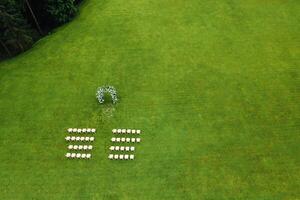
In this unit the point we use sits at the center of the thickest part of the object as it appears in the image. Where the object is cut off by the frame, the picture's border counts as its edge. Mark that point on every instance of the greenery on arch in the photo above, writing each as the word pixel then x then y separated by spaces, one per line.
pixel 107 89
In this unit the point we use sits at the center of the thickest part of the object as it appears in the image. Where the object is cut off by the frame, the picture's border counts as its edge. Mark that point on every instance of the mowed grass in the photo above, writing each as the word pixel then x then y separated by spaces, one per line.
pixel 214 85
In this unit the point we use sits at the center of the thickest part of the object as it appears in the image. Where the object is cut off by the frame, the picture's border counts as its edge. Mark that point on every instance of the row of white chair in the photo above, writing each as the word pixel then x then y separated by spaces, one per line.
pixel 124 131
pixel 80 147
pixel 79 155
pixel 74 138
pixel 121 156
pixel 121 148
pixel 125 139
pixel 81 130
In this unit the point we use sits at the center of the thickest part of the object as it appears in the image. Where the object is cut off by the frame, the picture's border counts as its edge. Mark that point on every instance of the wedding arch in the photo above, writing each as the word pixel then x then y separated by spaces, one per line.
pixel 106 89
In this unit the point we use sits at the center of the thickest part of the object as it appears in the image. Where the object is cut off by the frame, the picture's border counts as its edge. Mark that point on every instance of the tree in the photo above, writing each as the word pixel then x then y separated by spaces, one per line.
pixel 61 11
pixel 5 48
pixel 16 16
pixel 15 33
pixel 33 16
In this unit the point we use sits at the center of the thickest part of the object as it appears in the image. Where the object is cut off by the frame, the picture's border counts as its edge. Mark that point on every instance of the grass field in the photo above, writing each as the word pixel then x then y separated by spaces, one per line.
pixel 214 85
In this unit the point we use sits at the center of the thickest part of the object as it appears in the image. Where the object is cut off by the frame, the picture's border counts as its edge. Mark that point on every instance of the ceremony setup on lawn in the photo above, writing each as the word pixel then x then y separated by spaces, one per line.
pixel 129 135
pixel 149 100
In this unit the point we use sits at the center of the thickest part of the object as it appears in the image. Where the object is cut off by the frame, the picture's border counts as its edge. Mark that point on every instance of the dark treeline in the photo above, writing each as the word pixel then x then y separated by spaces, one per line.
pixel 24 21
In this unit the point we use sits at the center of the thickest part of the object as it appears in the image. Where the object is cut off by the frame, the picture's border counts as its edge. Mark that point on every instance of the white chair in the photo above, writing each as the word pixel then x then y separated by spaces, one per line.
pixel 123 131
pixel 126 157
pixel 118 139
pixel 122 148
pixel 85 147
pixel 133 131
pixel 121 156
pixel 114 131
pixel 119 131
pixel 73 155
pixel 68 138
pixel 79 130
pixel 70 130
pixel 132 139
pixel 73 138
pixel 132 148
pixel 113 139
pixel 131 157
pixel 83 130
pixel 83 155
pixel 116 156
pixel 92 139
pixel 90 147
pixel 112 148
pixel 87 138
pixel 117 148
pixel 81 138
pixel 75 147
pixel 78 138
pixel 110 156
pixel 127 139
pixel 88 130
pixel 68 155
pixel 128 131
pixel 74 130
pixel 93 130
pixel 127 148
pixel 123 139
pixel 138 139
pixel 80 147
pixel 138 131
pixel 70 146
pixel 78 155
pixel 88 156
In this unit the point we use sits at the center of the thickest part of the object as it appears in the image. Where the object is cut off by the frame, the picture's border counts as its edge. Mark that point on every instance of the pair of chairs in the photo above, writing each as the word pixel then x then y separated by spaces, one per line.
pixel 124 131
pixel 120 157
pixel 81 130
pixel 80 147
pixel 126 139
pixel 83 139
pixel 79 155
pixel 121 148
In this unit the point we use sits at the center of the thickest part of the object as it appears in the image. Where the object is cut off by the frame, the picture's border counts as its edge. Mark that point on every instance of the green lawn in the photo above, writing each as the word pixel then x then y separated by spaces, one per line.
pixel 214 85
